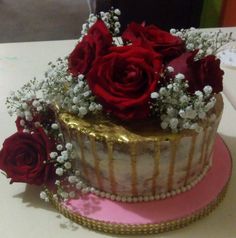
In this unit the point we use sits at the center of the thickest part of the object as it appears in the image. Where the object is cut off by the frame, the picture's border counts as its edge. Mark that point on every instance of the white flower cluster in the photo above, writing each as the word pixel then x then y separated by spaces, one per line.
pixel 26 102
pixel 179 110
pixel 70 93
pixel 62 158
pixel 74 186
pixel 208 43
pixel 44 196
pixel 88 24
pixel 57 78
pixel 110 18
pixel 79 100
pixel 69 183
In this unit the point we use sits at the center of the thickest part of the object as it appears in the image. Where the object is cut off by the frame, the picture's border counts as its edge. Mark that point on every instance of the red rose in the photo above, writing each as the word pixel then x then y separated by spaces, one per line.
pixel 23 155
pixel 163 42
pixel 123 80
pixel 200 73
pixel 94 44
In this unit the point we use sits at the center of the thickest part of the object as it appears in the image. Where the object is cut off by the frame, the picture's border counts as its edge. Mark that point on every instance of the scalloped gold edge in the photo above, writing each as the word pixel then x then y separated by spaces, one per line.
pixel 128 229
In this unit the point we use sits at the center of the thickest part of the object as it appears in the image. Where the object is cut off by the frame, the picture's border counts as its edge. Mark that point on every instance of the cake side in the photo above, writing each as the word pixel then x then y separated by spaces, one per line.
pixel 145 162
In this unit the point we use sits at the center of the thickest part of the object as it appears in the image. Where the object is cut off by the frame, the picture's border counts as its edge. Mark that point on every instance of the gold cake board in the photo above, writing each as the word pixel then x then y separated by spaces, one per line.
pixel 127 229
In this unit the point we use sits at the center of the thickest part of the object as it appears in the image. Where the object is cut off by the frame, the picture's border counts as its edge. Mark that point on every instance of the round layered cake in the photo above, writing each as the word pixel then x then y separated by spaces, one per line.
pixel 138 158
pixel 129 118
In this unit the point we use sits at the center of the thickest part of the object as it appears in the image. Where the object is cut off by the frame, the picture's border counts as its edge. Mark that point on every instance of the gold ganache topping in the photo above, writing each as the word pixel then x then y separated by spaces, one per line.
pixel 103 128
pixel 106 130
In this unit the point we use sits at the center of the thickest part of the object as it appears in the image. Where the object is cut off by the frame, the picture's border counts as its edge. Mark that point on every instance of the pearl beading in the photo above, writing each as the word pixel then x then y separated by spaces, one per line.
pixel 121 198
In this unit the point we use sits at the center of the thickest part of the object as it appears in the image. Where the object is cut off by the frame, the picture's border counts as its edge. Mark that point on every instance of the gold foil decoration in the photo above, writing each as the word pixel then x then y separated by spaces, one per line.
pixel 103 129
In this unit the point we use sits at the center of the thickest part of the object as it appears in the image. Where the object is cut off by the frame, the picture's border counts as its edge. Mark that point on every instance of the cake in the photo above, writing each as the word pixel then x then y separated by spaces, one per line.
pixel 139 160
pixel 131 117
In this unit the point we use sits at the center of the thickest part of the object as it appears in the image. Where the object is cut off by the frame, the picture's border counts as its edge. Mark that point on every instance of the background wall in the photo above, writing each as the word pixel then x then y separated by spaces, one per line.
pixel 211 13
pixel 35 20
pixel 218 13
pixel 228 17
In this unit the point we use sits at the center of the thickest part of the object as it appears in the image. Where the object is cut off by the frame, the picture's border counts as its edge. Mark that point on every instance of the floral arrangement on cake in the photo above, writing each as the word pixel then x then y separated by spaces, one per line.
pixel 142 73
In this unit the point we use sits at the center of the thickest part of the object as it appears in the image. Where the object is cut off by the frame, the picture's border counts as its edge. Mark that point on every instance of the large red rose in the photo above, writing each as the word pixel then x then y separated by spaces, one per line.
pixel 23 158
pixel 163 42
pixel 200 73
pixel 123 80
pixel 94 44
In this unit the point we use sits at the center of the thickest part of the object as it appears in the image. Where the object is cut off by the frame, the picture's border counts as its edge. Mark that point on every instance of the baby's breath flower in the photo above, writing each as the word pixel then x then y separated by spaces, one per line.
pixel 117 12
pixel 60 160
pixel 206 43
pixel 54 126
pixel 67 165
pixel 69 146
pixel 207 89
pixel 154 95
pixel 178 109
pixel 59 171
pixel 53 155
pixel 170 69
pixel 59 147
pixel 72 179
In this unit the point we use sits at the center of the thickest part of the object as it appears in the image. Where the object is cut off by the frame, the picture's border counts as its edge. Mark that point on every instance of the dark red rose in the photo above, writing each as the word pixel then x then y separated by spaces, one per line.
pixel 123 80
pixel 161 41
pixel 200 73
pixel 94 44
pixel 23 158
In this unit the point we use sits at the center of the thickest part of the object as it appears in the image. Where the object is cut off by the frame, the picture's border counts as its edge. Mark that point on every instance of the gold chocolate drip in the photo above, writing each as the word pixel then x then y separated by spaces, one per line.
pixel 203 147
pixel 111 166
pixel 174 147
pixel 156 165
pixel 133 156
pixel 214 131
pixel 82 157
pixel 190 159
pixel 207 142
pixel 96 162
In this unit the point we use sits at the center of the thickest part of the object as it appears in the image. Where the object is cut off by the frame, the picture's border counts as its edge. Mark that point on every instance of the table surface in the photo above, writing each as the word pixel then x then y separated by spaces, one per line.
pixel 23 214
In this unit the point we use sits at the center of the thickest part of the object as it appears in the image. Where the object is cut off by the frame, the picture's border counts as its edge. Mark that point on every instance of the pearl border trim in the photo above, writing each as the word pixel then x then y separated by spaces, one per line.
pixel 121 198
